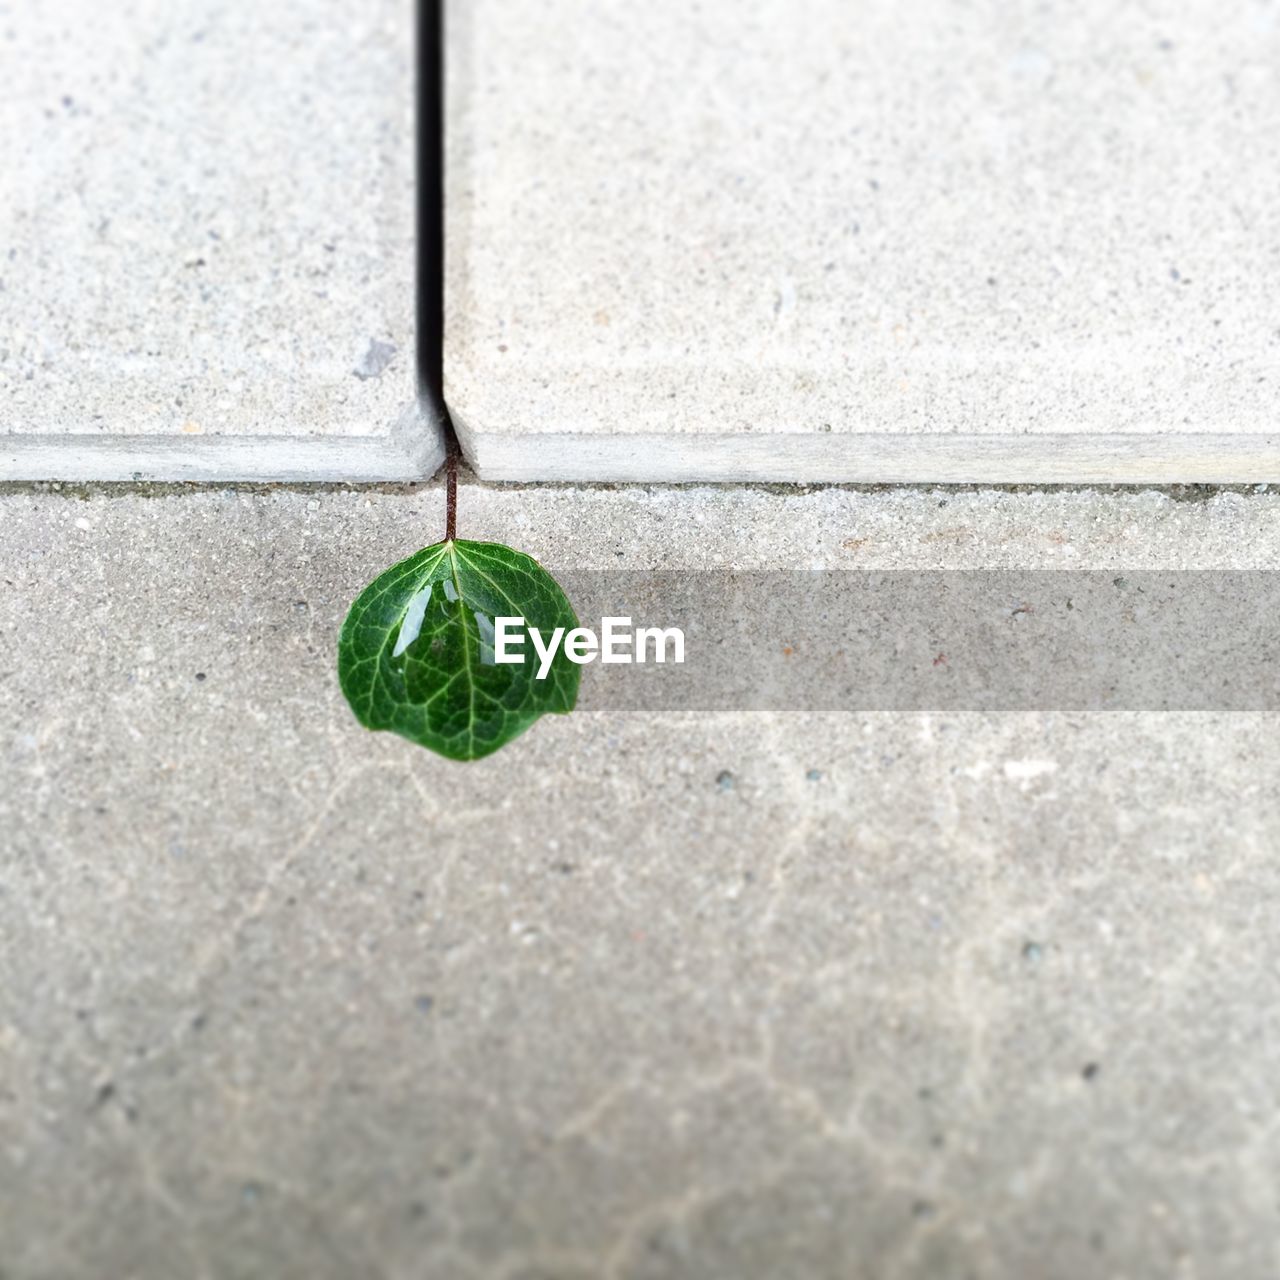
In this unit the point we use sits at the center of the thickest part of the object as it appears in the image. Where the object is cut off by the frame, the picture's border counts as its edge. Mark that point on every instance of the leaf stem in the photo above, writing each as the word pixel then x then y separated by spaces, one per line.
pixel 451 492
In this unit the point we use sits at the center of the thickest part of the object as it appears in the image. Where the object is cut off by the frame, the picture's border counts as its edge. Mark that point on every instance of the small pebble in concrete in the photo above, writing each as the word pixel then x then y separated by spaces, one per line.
pixel 1032 952
pixel 201 677
pixel 424 1004
pixel 1090 1071
pixel 375 359
pixel 724 780
pixel 814 775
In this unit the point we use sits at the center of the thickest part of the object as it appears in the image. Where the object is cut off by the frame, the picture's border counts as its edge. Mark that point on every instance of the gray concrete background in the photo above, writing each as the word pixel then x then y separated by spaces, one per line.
pixel 806 240
pixel 207 241
pixel 843 995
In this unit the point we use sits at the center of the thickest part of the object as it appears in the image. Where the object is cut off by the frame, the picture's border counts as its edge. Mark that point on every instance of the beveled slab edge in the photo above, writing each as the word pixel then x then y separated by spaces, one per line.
pixel 411 449
pixel 1205 458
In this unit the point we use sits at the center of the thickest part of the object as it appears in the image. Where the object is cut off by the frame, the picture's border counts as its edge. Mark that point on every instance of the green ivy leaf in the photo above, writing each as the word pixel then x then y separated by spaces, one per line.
pixel 416 651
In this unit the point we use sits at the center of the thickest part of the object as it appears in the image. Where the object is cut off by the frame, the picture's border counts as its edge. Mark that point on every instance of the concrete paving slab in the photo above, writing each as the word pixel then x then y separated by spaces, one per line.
pixel 884 995
pixel 207 239
pixel 820 241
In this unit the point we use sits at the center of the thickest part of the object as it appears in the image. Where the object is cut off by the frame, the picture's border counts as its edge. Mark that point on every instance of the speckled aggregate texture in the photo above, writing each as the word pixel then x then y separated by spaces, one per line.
pixel 809 240
pixel 206 239
pixel 894 996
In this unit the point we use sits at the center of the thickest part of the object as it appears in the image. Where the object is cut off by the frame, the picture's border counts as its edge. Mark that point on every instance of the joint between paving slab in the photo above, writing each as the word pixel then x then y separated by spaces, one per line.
pixel 1188 494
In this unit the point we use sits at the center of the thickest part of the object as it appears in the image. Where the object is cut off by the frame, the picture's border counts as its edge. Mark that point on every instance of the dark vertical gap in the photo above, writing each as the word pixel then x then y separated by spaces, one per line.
pixel 429 164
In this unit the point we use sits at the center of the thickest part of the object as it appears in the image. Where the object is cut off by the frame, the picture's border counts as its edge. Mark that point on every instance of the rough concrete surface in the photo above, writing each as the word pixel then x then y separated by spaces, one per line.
pixel 843 995
pixel 808 240
pixel 206 241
